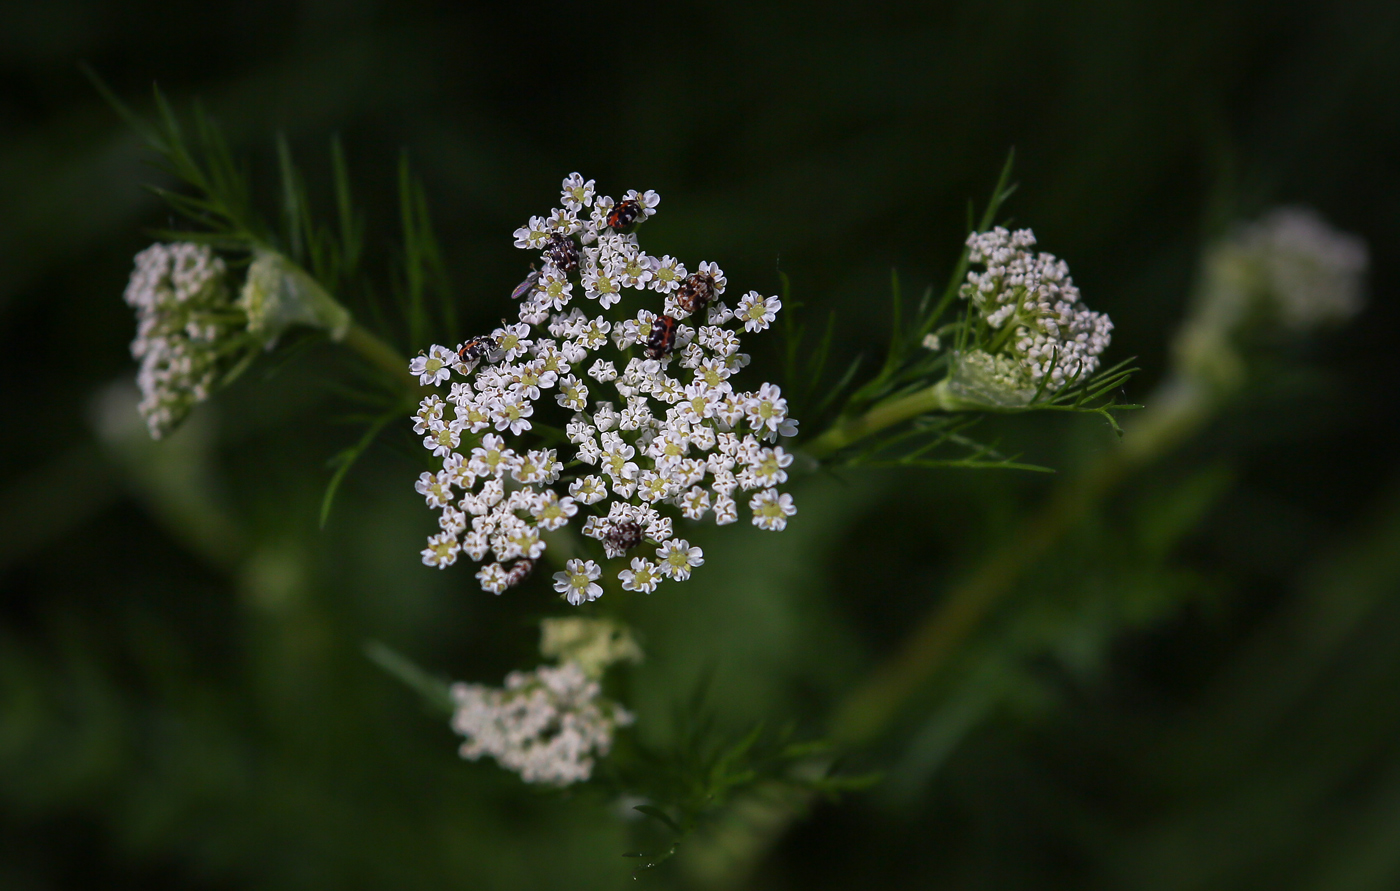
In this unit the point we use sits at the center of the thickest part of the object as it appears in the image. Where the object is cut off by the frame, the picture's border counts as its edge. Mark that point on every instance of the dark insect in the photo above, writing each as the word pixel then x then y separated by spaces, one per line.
pixel 696 292
pixel 662 338
pixel 622 537
pixel 526 286
pixel 519 571
pixel 624 214
pixel 561 252
pixel 475 349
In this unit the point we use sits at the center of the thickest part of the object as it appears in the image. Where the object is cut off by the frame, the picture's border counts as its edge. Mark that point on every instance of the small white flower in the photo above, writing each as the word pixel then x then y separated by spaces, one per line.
pixel 641 577
pixel 677 558
pixel 435 367
pixel 511 341
pixel 491 458
pixel 769 466
pixel 602 371
pixel 429 410
pixel 602 283
pixel 577 193
pixel 578 581
pixel 493 578
pixel 441 551
pixel 648 200
pixel 442 438
pixel 588 489
pixel 533 235
pixel 771 510
pixel 634 269
pixel 766 409
pixel 563 221
pixel 553 512
pixel 756 311
pixel 695 503
pixel 435 487
pixel 556 290
pixel 667 274
pixel 726 510
pixel 513 414
pixel 573 393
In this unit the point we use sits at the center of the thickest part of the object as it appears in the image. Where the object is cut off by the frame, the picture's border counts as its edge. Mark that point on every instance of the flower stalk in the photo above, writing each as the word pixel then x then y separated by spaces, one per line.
pixel 886 414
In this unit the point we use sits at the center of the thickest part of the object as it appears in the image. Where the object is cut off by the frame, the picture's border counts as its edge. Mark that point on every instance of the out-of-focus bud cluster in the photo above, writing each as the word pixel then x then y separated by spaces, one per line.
pixel 279 294
pixel 184 316
pixel 593 643
pixel 1288 272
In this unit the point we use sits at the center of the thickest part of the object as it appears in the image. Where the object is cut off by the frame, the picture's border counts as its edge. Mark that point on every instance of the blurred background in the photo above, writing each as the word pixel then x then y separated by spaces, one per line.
pixel 1193 686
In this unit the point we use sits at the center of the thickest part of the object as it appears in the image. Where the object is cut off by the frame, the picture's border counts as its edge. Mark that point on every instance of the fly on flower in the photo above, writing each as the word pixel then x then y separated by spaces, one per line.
pixel 645 443
pixel 527 285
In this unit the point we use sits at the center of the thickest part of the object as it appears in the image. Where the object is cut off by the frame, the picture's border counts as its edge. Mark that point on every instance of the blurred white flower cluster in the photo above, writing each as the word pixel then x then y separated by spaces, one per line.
pixel 184 312
pixel 1035 333
pixel 1289 272
pixel 549 725
pixel 652 424
pixel 1291 266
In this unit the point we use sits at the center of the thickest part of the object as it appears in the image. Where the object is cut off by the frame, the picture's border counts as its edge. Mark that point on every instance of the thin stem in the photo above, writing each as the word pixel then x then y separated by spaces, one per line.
pixel 376 351
pixel 846 433
pixel 868 712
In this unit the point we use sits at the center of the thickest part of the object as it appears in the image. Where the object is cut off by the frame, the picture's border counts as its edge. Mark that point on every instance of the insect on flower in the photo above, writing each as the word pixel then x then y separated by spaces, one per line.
pixel 475 349
pixel 519 571
pixel 624 214
pixel 562 252
pixel 696 292
pixel 662 338
pixel 623 537
pixel 526 286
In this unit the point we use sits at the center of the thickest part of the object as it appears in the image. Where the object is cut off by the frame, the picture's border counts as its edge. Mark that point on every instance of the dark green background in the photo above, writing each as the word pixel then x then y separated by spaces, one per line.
pixel 1196 692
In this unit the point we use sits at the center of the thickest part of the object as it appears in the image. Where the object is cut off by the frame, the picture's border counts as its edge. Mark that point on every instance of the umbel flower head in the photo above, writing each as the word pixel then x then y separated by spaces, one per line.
pixel 190 330
pixel 1033 333
pixel 651 425
pixel 184 316
pixel 550 724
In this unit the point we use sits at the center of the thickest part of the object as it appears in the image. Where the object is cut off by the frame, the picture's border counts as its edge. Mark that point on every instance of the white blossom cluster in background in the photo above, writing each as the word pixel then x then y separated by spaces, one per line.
pixel 1310 272
pixel 1041 335
pixel 653 425
pixel 184 311
pixel 548 725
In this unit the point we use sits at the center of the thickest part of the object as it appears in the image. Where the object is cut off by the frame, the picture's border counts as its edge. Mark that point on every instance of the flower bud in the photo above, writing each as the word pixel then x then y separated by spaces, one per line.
pixel 279 294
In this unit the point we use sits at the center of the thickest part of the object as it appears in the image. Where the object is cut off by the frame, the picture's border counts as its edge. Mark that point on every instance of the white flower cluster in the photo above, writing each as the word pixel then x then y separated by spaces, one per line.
pixel 548 725
pixel 183 312
pixel 1309 272
pixel 1041 335
pixel 651 422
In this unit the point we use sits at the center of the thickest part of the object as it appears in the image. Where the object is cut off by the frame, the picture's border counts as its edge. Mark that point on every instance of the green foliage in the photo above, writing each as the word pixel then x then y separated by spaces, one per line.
pixel 702 771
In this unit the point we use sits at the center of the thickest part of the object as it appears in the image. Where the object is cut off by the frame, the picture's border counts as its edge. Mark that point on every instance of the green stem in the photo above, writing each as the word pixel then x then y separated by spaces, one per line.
pixel 872 709
pixel 848 432
pixel 376 351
